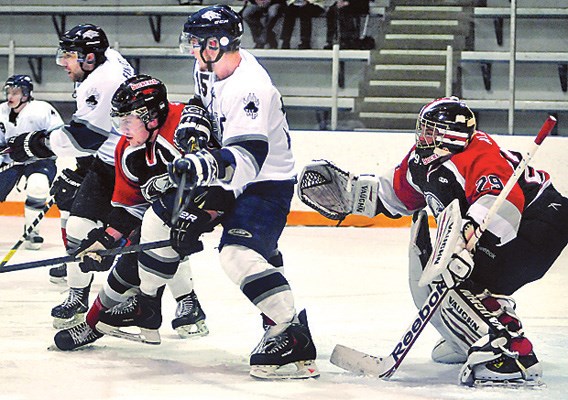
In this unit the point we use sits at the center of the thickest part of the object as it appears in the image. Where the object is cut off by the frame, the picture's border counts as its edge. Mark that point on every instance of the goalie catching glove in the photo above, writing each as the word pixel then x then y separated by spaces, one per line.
pixel 97 240
pixel 336 193
pixel 29 145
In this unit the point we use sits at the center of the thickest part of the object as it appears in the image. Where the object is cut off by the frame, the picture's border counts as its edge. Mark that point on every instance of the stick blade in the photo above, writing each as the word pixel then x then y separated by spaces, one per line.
pixel 361 363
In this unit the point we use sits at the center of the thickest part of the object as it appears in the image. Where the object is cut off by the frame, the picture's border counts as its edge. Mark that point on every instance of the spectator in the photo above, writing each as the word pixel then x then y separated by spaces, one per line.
pixel 341 16
pixel 261 17
pixel 304 10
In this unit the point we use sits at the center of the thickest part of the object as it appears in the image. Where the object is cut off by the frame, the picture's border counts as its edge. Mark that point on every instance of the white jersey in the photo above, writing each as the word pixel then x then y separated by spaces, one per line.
pixel 90 130
pixel 37 115
pixel 247 106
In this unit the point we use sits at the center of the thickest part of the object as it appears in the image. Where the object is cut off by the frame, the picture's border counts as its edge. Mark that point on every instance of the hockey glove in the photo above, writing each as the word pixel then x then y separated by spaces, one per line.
pixel 184 236
pixel 194 129
pixel 65 188
pixel 461 264
pixel 97 239
pixel 200 169
pixel 29 145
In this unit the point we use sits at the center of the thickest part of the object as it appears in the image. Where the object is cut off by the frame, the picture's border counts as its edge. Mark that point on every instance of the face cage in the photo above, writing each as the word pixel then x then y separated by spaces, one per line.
pixel 436 135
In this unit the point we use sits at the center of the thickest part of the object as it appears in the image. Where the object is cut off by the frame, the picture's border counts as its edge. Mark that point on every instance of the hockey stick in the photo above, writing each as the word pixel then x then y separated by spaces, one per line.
pixel 384 367
pixel 28 230
pixel 8 166
pixel 136 248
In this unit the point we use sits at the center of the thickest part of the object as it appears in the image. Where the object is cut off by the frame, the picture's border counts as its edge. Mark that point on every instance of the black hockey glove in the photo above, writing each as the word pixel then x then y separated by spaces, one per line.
pixel 65 188
pixel 184 236
pixel 97 239
pixel 29 145
pixel 199 168
pixel 194 129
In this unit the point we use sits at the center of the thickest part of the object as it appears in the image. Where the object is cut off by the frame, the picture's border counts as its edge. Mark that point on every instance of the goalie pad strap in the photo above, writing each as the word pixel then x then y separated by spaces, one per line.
pixel 365 195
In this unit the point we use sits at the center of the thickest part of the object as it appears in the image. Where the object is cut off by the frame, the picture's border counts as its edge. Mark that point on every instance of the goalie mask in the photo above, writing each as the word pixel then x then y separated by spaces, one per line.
pixel 444 126
pixel 144 96
pixel 215 27
pixel 22 82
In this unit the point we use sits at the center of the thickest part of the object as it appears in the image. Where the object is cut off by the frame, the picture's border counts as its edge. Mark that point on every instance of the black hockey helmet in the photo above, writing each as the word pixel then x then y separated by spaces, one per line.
pixel 446 124
pixel 143 95
pixel 84 39
pixel 220 22
pixel 24 82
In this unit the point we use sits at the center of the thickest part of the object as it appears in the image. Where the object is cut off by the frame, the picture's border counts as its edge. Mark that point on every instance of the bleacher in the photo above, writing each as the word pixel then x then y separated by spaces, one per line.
pixel 147 35
pixel 541 64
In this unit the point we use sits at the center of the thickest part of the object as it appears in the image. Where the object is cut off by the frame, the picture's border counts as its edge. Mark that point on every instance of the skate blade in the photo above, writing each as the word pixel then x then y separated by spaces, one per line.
pixel 61 323
pixel 512 384
pixel 148 336
pixel 296 370
pixel 58 280
pixel 194 330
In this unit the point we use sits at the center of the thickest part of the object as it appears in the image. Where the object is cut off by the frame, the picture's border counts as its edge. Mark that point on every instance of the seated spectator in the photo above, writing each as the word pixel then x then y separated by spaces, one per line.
pixel 304 10
pixel 261 17
pixel 343 14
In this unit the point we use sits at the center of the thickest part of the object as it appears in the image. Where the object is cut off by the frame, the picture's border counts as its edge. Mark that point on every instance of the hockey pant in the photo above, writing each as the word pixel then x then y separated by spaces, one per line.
pixel 249 248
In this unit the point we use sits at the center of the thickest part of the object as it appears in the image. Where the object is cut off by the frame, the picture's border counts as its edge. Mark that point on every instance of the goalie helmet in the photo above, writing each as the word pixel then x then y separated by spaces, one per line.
pixel 143 95
pixel 84 39
pixel 24 82
pixel 445 124
pixel 220 22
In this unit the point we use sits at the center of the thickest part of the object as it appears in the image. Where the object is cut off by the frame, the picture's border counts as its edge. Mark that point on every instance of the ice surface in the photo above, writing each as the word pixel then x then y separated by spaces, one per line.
pixel 353 283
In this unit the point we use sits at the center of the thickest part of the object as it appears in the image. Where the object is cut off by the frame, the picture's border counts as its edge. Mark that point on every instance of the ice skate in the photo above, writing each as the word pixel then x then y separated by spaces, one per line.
pixel 190 318
pixel 501 361
pixel 140 311
pixel 58 274
pixel 285 352
pixel 72 311
pixel 33 241
pixel 75 337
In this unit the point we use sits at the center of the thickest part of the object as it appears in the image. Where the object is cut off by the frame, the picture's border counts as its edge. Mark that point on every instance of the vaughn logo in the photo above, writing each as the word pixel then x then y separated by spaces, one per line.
pixel 364 194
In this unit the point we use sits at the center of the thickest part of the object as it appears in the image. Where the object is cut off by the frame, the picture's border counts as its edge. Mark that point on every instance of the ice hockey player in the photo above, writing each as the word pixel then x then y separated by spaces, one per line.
pixel 256 162
pixel 477 319
pixel 97 72
pixel 20 114
pixel 144 196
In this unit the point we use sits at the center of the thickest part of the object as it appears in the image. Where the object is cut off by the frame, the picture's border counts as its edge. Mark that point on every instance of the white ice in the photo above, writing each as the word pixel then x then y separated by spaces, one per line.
pixel 353 283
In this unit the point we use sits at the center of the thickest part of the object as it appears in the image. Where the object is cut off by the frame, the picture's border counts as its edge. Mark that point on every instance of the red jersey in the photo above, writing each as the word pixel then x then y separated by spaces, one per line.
pixel 142 171
pixel 475 176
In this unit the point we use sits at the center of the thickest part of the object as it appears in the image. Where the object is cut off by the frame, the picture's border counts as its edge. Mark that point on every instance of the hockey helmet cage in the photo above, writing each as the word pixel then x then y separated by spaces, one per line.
pixel 220 22
pixel 84 39
pixel 143 95
pixel 24 82
pixel 446 123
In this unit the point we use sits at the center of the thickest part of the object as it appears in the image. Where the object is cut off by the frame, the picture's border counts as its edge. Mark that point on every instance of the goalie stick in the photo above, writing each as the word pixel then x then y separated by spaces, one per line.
pixel 384 367
pixel 71 258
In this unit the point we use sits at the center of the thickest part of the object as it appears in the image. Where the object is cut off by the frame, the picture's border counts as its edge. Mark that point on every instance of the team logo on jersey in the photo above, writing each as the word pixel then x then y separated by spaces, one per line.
pixel 155 187
pixel 92 99
pixel 251 105
pixel 2 127
pixel 434 203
